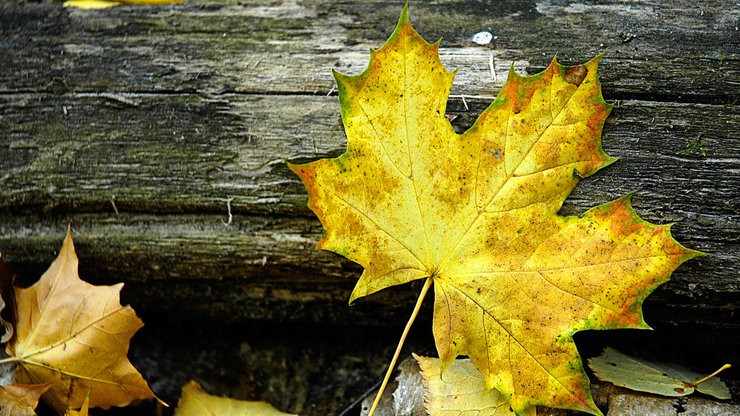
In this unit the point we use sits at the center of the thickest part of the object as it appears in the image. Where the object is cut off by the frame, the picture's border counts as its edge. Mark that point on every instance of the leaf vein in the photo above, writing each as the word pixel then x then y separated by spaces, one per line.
pixel 534 358
pixel 386 232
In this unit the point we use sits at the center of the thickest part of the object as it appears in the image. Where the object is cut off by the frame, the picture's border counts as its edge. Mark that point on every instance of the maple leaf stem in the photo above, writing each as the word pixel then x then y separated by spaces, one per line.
pixel 11 360
pixel 424 290
pixel 721 369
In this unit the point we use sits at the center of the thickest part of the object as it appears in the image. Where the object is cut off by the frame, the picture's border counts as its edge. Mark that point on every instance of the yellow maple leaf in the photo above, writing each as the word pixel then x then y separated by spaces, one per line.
pixel 476 216
pixel 76 335
pixel 195 402
pixel 104 4
pixel 21 399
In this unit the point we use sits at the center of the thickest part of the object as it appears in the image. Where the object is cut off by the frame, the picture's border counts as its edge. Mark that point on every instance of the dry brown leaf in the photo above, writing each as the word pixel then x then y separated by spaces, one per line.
pixel 21 399
pixel 77 335
pixel 83 410
pixel 195 402
pixel 7 301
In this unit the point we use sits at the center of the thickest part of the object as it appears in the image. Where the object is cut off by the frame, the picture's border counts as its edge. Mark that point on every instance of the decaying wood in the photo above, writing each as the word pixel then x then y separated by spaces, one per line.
pixel 161 135
pixel 150 206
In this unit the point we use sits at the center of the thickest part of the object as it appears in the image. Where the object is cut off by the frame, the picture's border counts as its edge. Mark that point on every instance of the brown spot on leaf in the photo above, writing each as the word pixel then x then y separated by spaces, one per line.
pixel 575 74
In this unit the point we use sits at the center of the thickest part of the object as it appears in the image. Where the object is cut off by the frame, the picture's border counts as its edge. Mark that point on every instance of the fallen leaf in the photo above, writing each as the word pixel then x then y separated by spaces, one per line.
pixel 658 378
pixel 83 410
pixel 195 402
pixel 460 389
pixel 77 335
pixel 477 214
pixel 104 4
pixel 21 399
pixel 7 302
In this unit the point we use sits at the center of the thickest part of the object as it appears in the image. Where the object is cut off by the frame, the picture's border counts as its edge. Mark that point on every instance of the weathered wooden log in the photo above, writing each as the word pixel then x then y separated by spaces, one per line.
pixel 145 127
pixel 113 180
pixel 111 117
pixel 160 134
pixel 676 51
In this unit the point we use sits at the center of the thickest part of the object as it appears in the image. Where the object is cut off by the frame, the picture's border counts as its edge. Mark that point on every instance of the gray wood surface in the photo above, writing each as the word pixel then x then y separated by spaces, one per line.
pixel 143 127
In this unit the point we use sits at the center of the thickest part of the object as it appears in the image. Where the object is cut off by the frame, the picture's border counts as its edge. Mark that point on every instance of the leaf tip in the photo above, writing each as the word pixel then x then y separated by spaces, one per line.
pixel 609 160
pixel 628 198
pixel 354 296
pixel 692 254
pixel 688 253
pixel 68 234
pixel 593 409
pixel 304 171
pixel 596 59
pixel 512 73
pixel 554 61
pixel 403 22
pixel 293 167
pixel 641 324
pixel 341 79
pixel 404 13
pixel 68 246
pixel 338 74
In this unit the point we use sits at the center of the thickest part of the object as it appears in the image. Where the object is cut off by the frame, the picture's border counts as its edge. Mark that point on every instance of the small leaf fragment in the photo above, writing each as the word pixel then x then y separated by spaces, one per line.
pixel 461 389
pixel 83 410
pixel 7 302
pixel 77 335
pixel 658 378
pixel 21 399
pixel 195 402
pixel 104 4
